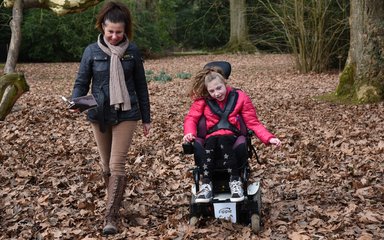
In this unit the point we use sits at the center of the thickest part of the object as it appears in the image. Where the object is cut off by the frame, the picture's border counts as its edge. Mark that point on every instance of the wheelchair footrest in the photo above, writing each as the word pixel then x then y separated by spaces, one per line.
pixel 236 212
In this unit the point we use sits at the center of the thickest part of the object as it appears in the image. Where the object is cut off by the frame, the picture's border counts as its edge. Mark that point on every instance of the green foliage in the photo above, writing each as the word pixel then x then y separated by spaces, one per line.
pixel 196 26
pixel 51 38
pixel 162 77
pixel 202 24
pixel 173 25
pixel 154 25
pixel 149 75
pixel 5 32
pixel 184 75
pixel 160 27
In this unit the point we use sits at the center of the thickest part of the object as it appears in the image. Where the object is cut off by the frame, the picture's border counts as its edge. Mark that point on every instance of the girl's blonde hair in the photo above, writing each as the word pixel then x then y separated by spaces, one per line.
pixel 202 78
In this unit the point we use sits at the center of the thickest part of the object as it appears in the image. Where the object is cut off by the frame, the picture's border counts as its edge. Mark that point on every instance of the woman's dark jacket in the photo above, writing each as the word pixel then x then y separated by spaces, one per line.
pixel 94 72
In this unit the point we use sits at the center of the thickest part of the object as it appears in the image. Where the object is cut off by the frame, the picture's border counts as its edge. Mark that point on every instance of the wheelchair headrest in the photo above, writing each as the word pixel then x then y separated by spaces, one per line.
pixel 225 66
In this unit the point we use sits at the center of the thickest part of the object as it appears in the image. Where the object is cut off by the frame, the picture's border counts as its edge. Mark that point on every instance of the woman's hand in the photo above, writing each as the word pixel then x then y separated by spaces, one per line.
pixel 275 141
pixel 146 128
pixel 70 105
pixel 188 137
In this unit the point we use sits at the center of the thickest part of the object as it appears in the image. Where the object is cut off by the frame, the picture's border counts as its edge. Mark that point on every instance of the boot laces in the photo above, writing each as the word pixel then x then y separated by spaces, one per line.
pixel 205 189
pixel 236 187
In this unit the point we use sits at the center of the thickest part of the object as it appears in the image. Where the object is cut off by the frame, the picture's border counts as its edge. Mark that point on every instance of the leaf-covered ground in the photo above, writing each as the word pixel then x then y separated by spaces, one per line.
pixel 326 182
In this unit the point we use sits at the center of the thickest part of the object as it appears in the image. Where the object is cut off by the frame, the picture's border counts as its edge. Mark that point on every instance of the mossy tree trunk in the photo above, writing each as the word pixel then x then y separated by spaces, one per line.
pixel 12 86
pixel 239 39
pixel 362 79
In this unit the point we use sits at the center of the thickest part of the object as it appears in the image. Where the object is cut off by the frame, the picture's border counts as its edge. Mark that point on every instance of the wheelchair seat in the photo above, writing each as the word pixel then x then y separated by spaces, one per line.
pixel 242 147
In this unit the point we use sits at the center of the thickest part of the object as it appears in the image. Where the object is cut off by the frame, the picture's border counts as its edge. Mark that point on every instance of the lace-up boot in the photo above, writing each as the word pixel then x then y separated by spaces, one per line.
pixel 116 189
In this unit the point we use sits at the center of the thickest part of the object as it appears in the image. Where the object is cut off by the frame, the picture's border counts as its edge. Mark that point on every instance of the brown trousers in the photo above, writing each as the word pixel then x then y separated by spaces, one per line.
pixel 113 145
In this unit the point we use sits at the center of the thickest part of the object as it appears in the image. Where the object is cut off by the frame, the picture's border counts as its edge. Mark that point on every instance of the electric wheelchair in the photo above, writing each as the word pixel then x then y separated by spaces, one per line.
pixel 248 211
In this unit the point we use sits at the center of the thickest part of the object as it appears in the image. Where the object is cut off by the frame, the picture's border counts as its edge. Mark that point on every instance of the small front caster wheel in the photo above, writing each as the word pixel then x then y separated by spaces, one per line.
pixel 193 221
pixel 255 223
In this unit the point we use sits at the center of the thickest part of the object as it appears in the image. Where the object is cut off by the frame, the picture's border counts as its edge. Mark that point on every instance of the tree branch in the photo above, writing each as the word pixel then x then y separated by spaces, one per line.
pixel 59 7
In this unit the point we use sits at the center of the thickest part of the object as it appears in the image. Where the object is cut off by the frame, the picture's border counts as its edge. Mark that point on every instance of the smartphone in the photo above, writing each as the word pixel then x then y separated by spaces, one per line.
pixel 70 103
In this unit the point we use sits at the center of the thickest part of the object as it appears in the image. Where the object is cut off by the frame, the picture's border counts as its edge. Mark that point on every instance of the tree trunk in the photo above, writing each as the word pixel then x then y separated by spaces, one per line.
pixel 238 39
pixel 12 86
pixel 363 76
pixel 14 46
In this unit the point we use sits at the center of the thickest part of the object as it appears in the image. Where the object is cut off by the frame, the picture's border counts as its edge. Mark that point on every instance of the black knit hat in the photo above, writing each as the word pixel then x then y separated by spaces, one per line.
pixel 225 66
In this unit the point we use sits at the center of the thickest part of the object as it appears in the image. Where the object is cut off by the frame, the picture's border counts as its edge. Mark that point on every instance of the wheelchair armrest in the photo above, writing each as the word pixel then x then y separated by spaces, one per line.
pixel 188 148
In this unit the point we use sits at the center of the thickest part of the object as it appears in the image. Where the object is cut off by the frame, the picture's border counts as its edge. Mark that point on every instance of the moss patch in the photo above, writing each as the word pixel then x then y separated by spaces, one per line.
pixel 346 82
pixel 365 94
pixel 332 97
pixel 368 94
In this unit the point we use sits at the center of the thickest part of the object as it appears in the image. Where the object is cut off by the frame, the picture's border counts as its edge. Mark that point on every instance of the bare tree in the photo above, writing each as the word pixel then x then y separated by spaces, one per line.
pixel 312 29
pixel 363 76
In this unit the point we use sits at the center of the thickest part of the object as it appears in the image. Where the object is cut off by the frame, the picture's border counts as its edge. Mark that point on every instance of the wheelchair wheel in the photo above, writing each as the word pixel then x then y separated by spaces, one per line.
pixel 255 223
pixel 257 199
pixel 193 221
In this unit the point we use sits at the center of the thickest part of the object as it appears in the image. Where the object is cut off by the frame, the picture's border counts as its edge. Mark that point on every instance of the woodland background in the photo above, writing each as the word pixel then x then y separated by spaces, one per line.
pixel 326 182
pixel 194 26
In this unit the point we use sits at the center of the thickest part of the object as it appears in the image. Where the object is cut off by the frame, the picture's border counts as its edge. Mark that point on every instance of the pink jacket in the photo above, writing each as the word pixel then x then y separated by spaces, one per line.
pixel 244 108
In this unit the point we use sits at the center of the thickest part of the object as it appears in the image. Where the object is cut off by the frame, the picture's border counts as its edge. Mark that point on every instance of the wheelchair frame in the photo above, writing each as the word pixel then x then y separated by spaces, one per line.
pixel 247 211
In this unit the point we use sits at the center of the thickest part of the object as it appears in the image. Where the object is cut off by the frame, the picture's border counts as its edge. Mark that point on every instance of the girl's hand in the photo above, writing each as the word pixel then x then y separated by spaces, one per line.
pixel 275 141
pixel 188 137
pixel 74 110
pixel 146 128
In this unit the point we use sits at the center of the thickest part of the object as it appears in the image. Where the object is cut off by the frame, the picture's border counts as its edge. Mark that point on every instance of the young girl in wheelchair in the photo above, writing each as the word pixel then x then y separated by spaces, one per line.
pixel 210 94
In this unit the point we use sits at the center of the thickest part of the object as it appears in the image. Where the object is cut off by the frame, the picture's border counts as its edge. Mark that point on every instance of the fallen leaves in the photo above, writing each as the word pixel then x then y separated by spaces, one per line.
pixel 326 182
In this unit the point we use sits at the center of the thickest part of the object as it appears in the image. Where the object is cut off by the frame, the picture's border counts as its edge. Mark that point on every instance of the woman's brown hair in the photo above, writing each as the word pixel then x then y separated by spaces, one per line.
pixel 115 12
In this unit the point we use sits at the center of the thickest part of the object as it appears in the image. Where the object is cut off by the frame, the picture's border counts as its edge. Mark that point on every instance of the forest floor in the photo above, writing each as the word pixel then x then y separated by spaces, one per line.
pixel 325 182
